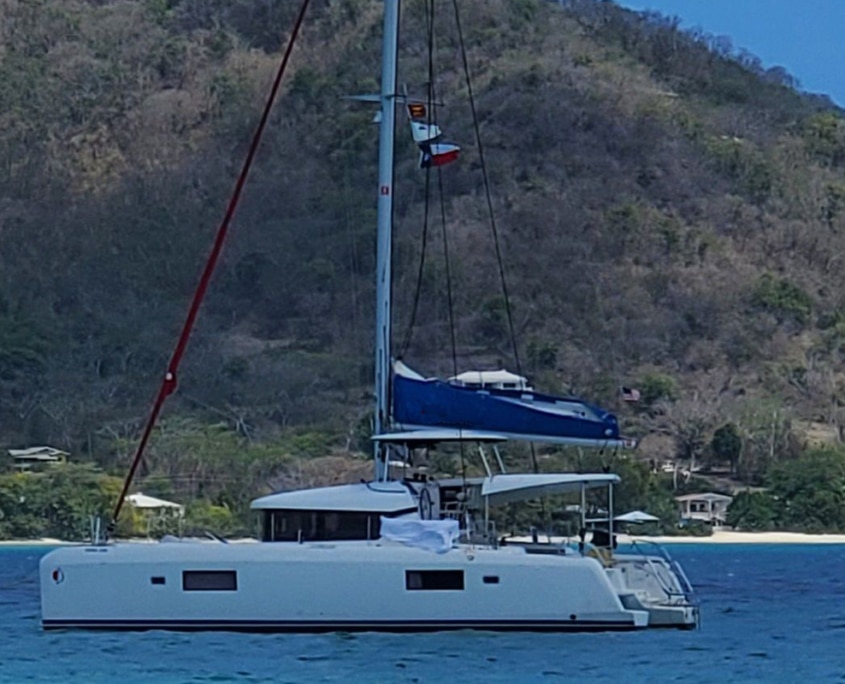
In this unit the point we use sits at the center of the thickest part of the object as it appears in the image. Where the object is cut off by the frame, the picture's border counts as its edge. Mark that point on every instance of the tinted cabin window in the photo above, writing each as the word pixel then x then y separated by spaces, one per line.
pixel 209 580
pixel 434 580
pixel 320 525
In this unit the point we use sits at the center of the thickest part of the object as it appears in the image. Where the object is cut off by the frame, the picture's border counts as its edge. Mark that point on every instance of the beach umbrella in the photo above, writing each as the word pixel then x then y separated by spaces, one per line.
pixel 636 517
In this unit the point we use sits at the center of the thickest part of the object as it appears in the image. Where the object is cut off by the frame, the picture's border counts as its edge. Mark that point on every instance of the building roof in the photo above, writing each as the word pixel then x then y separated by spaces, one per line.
pixel 140 500
pixel 39 453
pixel 705 496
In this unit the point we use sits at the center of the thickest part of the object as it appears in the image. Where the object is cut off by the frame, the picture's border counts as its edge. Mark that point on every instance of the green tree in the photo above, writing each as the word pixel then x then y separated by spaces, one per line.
pixel 782 298
pixel 726 444
pixel 811 491
pixel 656 387
pixel 58 502
pixel 756 511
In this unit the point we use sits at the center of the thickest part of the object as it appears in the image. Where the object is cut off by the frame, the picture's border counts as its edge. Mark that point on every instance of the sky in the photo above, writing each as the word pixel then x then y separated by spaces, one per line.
pixel 802 36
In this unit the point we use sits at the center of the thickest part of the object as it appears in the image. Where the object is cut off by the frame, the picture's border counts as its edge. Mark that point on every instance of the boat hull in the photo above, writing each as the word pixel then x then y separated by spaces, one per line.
pixel 348 586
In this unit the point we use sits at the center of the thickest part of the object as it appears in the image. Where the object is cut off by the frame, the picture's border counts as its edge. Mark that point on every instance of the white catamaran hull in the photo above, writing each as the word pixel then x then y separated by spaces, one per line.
pixel 344 586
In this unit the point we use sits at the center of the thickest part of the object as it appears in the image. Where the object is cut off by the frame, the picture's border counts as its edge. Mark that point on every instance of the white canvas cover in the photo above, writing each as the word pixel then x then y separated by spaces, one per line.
pixel 434 535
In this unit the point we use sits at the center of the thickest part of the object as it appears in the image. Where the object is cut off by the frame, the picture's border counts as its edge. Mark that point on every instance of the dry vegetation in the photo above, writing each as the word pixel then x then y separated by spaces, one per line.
pixel 672 218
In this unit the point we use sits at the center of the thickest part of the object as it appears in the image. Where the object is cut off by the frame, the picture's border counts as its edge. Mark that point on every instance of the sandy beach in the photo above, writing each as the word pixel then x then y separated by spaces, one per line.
pixel 732 537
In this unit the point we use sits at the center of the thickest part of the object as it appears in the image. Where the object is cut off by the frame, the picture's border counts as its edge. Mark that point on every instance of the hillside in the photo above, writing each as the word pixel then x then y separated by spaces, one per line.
pixel 671 218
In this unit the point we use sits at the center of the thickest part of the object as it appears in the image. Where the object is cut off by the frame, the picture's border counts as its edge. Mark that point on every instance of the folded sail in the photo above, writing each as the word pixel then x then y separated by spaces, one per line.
pixel 519 413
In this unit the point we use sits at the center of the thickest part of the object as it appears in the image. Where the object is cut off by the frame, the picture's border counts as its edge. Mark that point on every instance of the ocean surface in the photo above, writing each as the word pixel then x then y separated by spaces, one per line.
pixel 770 613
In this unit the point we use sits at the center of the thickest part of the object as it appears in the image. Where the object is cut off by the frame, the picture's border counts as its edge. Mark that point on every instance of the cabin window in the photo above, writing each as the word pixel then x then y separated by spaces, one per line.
pixel 491 579
pixel 434 580
pixel 156 580
pixel 286 525
pixel 209 580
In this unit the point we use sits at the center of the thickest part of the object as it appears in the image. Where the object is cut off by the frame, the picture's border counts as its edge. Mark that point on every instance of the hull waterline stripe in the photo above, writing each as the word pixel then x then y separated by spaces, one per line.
pixel 344 626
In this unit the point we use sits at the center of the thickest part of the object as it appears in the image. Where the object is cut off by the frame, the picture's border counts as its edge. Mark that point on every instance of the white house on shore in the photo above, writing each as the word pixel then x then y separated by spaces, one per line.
pixel 709 507
pixel 26 458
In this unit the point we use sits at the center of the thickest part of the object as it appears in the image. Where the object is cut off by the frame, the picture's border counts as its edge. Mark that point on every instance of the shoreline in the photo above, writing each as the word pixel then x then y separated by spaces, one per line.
pixel 44 541
pixel 732 537
pixel 718 537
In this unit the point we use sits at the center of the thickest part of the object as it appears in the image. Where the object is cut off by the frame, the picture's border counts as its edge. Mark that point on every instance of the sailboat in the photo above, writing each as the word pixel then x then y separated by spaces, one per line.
pixel 396 553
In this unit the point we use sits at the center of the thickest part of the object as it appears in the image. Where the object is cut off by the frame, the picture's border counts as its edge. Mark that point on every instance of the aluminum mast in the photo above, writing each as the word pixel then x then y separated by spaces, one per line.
pixel 387 122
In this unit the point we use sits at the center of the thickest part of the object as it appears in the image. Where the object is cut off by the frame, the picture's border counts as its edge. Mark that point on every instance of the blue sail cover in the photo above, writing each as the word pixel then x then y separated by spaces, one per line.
pixel 420 403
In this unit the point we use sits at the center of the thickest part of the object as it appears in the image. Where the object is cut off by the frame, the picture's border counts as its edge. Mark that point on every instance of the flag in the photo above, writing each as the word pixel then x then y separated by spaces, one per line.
pixel 428 136
pixel 416 111
pixel 424 132
pixel 438 154
pixel 630 394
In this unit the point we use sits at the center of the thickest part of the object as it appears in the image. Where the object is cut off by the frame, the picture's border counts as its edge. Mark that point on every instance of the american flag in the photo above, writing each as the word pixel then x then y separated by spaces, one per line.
pixel 630 394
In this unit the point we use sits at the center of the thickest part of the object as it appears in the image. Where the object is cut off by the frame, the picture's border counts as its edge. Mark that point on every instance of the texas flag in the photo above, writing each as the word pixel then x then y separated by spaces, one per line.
pixel 427 135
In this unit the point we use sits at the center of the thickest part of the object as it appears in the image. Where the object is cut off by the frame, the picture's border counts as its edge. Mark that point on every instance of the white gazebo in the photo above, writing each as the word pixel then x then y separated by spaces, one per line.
pixel 157 512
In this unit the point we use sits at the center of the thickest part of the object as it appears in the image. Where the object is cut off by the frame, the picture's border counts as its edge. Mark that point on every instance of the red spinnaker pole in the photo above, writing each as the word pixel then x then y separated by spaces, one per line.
pixel 168 385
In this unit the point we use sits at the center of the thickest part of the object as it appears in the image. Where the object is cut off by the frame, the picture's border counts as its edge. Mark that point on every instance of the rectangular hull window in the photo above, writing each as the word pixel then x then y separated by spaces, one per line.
pixel 434 580
pixel 209 580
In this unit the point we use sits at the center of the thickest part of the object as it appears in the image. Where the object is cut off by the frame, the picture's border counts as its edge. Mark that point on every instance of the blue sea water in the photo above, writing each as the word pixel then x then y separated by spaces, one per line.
pixel 770 613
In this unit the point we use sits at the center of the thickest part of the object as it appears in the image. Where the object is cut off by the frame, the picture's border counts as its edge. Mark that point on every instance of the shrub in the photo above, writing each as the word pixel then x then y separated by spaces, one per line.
pixel 785 300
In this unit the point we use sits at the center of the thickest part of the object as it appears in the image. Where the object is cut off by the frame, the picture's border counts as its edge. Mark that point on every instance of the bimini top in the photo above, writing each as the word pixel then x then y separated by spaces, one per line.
pixel 372 497
pixel 507 487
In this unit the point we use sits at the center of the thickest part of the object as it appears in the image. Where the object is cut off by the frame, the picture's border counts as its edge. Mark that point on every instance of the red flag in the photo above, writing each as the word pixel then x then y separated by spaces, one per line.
pixel 438 154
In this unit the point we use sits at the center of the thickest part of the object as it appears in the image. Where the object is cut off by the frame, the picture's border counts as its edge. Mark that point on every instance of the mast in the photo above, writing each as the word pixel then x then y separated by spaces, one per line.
pixel 385 228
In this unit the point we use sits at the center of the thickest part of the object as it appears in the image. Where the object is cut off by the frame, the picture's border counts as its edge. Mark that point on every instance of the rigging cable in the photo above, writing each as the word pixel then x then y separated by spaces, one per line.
pixel 449 298
pixel 168 385
pixel 451 310
pixel 488 195
pixel 406 341
pixel 431 118
pixel 487 187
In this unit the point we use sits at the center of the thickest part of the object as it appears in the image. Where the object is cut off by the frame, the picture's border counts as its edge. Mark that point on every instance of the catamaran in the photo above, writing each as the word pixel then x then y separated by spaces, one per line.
pixel 398 553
